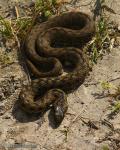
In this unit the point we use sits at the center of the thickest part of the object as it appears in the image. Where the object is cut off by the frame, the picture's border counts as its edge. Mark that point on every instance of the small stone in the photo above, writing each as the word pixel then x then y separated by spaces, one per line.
pixel 82 103
pixel 118 28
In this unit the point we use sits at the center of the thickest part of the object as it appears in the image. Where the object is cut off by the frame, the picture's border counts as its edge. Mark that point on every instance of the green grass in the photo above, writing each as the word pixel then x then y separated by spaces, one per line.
pixel 46 7
pixel 101 43
pixel 6 59
pixel 105 147
pixel 116 107
pixel 107 86
pixel 105 33
pixel 5 27
pixel 22 26
pixel 16 29
pixel 116 95
pixel 11 28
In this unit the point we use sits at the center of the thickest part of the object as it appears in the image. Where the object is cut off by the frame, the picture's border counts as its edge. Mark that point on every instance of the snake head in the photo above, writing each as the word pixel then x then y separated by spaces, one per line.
pixel 60 107
pixel 58 114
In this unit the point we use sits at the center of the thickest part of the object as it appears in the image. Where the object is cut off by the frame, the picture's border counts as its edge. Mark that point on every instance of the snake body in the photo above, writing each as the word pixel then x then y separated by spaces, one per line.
pixel 54 55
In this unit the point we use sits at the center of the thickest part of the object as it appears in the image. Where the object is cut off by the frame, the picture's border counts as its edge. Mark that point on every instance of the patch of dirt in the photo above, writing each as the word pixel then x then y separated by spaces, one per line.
pixel 88 123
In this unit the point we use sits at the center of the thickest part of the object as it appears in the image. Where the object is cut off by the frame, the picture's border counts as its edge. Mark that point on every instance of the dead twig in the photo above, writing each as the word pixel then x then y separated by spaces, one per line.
pixel 107 123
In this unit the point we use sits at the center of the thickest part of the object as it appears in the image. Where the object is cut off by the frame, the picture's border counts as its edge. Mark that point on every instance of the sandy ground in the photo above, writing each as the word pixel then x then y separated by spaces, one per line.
pixel 88 124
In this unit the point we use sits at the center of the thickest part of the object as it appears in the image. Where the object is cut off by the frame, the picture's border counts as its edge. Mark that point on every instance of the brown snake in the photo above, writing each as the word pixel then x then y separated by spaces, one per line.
pixel 51 48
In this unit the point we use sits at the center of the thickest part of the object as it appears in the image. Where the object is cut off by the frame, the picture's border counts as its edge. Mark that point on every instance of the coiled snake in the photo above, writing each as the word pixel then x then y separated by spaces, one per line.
pixel 54 56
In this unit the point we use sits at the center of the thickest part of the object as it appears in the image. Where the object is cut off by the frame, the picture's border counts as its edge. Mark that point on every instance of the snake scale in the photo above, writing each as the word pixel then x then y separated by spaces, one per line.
pixel 54 56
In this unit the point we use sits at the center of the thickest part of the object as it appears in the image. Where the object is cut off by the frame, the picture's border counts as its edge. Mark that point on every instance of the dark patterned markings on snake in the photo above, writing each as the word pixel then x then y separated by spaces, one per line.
pixel 53 52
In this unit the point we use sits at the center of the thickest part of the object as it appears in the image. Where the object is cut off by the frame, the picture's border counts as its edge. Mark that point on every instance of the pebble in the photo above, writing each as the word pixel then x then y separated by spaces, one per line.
pixel 118 28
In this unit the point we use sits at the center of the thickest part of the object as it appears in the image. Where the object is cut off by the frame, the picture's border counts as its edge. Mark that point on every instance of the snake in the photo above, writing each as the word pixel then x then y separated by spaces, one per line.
pixel 55 58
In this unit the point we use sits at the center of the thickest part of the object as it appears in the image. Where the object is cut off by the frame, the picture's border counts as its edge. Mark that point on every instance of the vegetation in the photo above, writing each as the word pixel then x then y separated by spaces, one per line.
pixel 17 29
pixel 46 7
pixel 105 36
pixel 106 85
pixel 116 106
pixel 116 96
pixel 20 26
pixel 103 41
pixel 5 58
pixel 5 27
pixel 105 147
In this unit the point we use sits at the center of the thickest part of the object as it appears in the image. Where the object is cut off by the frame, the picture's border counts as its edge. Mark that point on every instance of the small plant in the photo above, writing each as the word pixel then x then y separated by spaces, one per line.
pixel 116 107
pixel 46 7
pixel 105 36
pixel 5 27
pixel 106 85
pixel 21 26
pixel 5 59
pixel 105 147
pixel 116 96
pixel 101 42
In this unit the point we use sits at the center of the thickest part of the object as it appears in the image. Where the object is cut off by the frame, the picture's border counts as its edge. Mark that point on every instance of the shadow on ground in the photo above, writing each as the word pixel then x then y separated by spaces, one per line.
pixel 24 117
